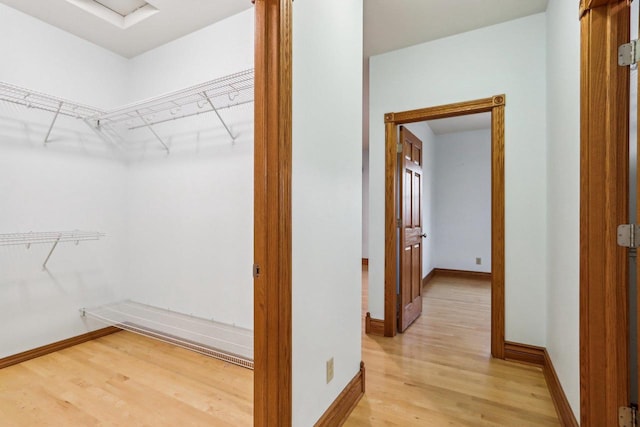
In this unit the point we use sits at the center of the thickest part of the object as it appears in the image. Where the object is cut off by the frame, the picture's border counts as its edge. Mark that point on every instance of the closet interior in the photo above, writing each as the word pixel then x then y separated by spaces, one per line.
pixel 147 163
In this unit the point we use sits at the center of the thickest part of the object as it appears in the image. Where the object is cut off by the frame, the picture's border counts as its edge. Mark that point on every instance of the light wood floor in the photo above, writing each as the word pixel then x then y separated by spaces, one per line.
pixel 125 380
pixel 439 372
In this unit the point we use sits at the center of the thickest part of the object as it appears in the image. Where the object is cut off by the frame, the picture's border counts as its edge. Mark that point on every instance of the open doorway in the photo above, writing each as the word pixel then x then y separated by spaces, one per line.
pixel 447 224
pixel 395 301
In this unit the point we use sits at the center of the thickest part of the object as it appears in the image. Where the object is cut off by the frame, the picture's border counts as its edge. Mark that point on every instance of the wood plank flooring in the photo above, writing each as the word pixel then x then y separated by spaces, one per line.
pixel 440 373
pixel 125 380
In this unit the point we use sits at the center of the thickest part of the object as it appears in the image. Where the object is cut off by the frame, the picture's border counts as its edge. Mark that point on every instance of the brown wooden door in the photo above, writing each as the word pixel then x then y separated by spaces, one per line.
pixel 410 257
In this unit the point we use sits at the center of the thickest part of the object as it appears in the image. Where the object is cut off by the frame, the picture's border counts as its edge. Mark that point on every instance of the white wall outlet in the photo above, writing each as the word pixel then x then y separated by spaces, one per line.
pixel 478 261
pixel 329 370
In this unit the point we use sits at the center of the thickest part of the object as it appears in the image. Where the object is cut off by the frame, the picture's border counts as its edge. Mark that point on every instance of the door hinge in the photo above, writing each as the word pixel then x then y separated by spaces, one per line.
pixel 628 54
pixel 399 148
pixel 627 416
pixel 399 222
pixel 628 235
pixel 256 271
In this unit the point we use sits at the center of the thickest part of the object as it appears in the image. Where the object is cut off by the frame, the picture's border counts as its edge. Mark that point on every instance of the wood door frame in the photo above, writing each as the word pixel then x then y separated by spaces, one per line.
pixel 272 214
pixel 604 158
pixel 495 105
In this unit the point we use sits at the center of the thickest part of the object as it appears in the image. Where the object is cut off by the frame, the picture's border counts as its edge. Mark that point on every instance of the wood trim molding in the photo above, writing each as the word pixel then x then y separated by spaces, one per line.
pixel 539 356
pixel 524 353
pixel 365 261
pixel 560 401
pixel 495 105
pixel 339 411
pixel 462 273
pixel 56 346
pixel 426 279
pixel 391 240
pixel 272 213
pixel 586 5
pixel 604 134
pixel 373 326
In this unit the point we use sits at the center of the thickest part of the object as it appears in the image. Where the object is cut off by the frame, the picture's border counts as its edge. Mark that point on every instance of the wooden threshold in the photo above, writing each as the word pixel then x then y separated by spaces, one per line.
pixel 540 357
pixel 339 411
pixel 56 346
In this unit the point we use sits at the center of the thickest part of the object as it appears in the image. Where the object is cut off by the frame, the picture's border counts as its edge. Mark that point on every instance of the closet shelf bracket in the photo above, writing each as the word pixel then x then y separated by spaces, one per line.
pixel 53 248
pixel 53 122
pixel 215 110
pixel 148 126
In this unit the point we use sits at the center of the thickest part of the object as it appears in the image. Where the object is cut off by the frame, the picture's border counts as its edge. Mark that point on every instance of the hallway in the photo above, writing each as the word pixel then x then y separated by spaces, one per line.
pixel 440 373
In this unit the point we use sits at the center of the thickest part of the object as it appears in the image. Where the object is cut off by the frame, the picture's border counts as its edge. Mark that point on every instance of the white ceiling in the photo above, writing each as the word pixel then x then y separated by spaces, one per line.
pixel 388 25
pixel 391 25
pixel 174 19
pixel 461 123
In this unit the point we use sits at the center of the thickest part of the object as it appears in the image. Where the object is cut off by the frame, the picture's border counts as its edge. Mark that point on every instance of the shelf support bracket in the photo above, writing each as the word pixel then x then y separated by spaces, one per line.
pixel 215 110
pixel 53 248
pixel 53 122
pixel 152 131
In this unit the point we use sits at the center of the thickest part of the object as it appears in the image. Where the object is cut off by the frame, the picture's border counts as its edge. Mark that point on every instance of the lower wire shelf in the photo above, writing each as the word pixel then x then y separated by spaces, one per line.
pixel 218 340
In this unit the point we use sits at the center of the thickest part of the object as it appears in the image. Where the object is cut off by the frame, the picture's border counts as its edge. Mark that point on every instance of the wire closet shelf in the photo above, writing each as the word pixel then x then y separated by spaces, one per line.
pixel 212 96
pixel 50 237
pixel 221 341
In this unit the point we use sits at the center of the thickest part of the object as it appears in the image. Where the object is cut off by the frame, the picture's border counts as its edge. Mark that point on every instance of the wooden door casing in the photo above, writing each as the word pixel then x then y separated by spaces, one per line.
pixel 496 106
pixel 410 289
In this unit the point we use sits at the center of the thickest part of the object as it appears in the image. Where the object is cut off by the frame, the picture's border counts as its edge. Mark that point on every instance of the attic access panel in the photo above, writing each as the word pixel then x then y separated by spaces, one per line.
pixel 120 13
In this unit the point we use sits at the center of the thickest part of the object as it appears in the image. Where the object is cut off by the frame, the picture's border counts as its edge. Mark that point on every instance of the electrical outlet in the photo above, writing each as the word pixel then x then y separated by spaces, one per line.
pixel 478 261
pixel 329 370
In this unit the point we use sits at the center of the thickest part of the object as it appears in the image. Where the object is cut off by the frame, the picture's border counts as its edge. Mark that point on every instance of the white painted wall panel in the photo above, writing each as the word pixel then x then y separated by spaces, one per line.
pixel 507 58
pixel 327 201
pixel 190 214
pixel 76 182
pixel 563 145
pixel 463 200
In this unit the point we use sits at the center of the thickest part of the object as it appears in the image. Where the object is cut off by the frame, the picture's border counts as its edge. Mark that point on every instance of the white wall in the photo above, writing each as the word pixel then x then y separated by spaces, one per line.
pixel 76 182
pixel 327 201
pixel 507 58
pixel 365 158
pixel 426 135
pixel 365 203
pixel 563 145
pixel 190 214
pixel 463 200
pixel 179 228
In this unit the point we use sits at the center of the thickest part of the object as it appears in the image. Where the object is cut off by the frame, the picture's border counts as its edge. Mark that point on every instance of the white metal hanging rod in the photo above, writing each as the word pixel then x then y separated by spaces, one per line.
pixel 184 116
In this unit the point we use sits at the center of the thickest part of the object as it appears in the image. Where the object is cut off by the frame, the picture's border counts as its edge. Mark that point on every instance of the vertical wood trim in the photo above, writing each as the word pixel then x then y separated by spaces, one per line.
pixel 496 106
pixel 272 213
pixel 603 205
pixel 497 231
pixel 391 241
